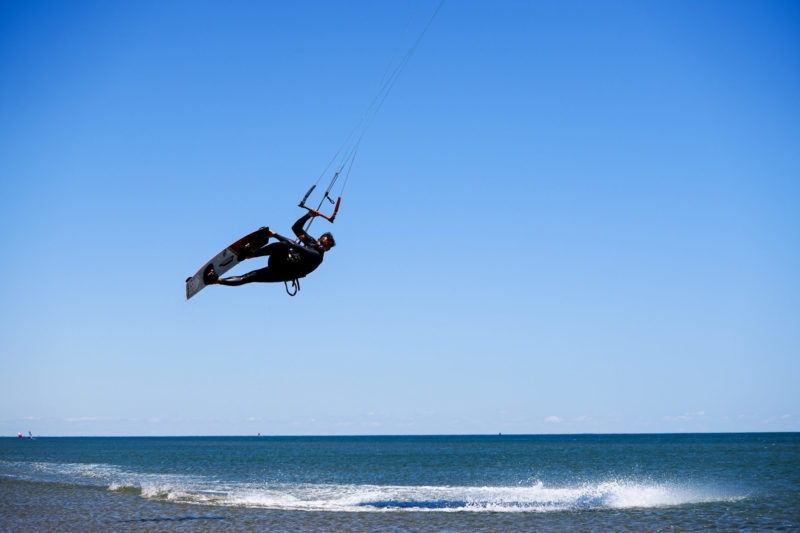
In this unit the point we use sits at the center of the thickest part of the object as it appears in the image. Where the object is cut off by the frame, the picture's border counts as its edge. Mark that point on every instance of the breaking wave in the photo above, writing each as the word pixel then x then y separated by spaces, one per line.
pixel 533 497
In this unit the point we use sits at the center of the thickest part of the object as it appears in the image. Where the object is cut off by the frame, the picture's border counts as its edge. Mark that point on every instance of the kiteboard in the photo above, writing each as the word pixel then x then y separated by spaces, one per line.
pixel 227 259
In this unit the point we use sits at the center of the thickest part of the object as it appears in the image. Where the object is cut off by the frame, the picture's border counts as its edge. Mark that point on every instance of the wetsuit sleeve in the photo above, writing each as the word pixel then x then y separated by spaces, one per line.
pixel 281 238
pixel 298 230
pixel 280 247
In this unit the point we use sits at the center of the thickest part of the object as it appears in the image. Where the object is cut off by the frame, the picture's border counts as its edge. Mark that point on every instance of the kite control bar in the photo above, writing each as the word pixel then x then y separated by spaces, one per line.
pixel 312 210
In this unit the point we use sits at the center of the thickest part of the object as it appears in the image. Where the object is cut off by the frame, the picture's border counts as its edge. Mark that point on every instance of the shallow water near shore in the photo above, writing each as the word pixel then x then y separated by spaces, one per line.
pixel 452 483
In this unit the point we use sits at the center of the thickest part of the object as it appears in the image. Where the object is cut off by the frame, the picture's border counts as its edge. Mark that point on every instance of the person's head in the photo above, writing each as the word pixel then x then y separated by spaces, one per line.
pixel 326 241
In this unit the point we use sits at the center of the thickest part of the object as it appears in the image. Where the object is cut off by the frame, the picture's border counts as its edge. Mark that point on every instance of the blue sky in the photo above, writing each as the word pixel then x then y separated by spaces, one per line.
pixel 567 217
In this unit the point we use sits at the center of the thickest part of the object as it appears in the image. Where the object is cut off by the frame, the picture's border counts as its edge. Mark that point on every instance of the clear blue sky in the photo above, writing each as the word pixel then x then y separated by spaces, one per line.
pixel 567 217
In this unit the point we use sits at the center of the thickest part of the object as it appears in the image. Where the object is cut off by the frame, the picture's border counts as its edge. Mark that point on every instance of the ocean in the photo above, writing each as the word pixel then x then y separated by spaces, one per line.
pixel 681 482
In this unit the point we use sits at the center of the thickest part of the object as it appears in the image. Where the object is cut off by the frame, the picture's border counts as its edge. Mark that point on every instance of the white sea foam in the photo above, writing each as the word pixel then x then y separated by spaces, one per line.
pixel 534 497
pixel 99 474
pixel 84 473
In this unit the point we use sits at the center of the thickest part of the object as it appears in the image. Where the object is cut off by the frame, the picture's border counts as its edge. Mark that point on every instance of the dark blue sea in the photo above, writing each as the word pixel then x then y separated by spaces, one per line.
pixel 686 482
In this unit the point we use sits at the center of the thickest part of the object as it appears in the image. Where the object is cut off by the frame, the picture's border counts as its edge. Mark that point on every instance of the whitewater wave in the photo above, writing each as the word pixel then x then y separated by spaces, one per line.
pixel 534 497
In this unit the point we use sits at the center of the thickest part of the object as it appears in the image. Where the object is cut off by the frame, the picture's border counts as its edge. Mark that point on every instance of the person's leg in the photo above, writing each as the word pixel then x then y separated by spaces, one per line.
pixel 262 275
pixel 270 249
pixel 247 250
pixel 275 271
pixel 250 277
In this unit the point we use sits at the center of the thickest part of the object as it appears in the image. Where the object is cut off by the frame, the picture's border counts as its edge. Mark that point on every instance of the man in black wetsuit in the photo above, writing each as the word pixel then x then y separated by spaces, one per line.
pixel 288 261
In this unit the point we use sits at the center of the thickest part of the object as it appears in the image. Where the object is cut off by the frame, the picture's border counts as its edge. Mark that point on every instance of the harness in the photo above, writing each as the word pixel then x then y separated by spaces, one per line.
pixel 295 287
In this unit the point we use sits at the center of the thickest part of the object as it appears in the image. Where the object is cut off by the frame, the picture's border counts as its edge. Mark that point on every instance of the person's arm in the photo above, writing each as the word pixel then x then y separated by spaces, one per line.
pixel 298 227
pixel 270 248
pixel 281 238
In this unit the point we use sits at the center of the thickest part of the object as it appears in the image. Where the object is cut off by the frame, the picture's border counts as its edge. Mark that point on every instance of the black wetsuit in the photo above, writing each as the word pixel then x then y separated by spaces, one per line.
pixel 287 260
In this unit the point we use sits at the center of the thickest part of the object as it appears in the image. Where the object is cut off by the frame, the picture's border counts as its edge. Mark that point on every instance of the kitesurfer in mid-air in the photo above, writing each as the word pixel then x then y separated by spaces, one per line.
pixel 288 261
